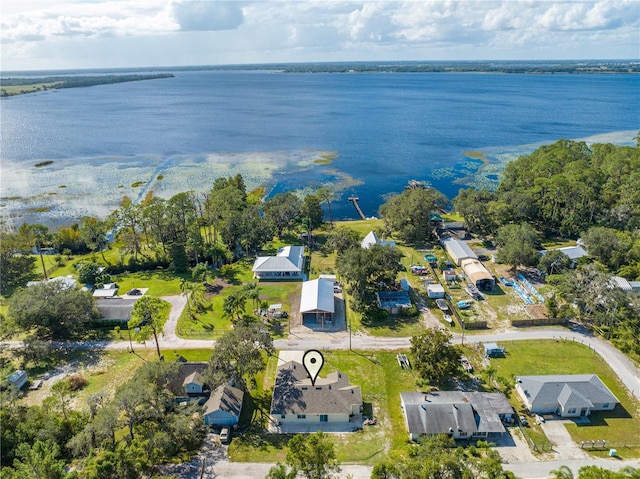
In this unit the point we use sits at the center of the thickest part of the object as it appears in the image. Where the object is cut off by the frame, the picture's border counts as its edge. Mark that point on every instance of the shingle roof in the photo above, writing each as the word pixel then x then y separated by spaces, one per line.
pixel 188 369
pixel 225 398
pixel 293 392
pixel 194 377
pixel 115 309
pixel 568 387
pixel 317 295
pixel 470 411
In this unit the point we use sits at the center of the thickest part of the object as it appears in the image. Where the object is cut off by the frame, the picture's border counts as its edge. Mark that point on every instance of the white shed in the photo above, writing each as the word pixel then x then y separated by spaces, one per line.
pixel 435 291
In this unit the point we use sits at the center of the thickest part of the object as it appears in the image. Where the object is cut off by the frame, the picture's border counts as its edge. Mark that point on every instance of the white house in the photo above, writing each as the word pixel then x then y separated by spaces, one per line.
pixel 287 264
pixel 331 404
pixel 372 239
pixel 317 303
pixel 224 406
pixel 568 395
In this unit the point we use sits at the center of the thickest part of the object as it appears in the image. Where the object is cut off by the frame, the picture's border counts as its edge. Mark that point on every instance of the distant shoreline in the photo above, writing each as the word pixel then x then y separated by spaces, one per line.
pixel 24 85
pixel 574 67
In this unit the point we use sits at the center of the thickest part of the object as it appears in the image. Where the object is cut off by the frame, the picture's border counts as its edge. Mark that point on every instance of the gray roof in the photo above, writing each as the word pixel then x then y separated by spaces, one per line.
pixel 580 389
pixel 293 392
pixel 195 377
pixel 458 250
pixel 393 299
pixel 186 371
pixel 115 309
pixel 288 259
pixel 437 412
pixel 225 398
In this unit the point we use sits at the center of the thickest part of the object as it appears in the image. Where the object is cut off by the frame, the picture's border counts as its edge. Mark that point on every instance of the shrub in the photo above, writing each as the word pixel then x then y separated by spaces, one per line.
pixel 77 381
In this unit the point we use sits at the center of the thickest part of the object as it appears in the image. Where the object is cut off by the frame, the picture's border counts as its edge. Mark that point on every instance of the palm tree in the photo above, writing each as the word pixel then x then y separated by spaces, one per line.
pixel 234 305
pixel 252 292
pixel 563 472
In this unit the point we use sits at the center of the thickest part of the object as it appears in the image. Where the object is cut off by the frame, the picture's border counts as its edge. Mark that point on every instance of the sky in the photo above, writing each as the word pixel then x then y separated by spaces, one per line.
pixel 69 34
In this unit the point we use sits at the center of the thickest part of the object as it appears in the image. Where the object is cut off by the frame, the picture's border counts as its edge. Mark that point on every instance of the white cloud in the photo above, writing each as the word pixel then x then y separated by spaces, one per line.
pixel 207 15
pixel 212 31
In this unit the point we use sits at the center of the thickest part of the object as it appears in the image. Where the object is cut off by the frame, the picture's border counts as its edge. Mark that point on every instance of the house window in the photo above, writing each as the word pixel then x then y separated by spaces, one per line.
pixel 304 388
pixel 605 405
pixel 283 416
pixel 462 433
pixel 324 418
pixel 302 416
pixel 571 410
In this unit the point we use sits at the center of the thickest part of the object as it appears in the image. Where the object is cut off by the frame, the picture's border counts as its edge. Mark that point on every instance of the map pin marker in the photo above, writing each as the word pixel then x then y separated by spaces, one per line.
pixel 313 362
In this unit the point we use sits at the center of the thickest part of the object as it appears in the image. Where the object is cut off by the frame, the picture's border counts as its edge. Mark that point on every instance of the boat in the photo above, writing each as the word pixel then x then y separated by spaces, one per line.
pixel 448 319
pixel 464 304
pixel 442 304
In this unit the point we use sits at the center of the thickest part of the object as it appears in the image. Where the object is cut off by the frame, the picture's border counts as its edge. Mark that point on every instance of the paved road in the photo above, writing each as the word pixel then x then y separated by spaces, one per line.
pixel 301 338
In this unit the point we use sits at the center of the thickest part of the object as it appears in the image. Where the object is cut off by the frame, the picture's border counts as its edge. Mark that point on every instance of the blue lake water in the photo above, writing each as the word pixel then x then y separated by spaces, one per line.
pixel 276 129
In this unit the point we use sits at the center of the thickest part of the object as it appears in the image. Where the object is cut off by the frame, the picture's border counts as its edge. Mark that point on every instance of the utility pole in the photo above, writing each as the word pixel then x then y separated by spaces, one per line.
pixel 463 327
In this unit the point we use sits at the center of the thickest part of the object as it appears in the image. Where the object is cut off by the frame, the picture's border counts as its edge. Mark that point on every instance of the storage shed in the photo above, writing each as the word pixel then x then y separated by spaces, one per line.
pixel 458 250
pixel 435 291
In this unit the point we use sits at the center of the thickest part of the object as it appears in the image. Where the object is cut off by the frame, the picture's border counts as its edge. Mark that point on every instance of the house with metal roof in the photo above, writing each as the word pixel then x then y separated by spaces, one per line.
pixel 331 404
pixel 372 238
pixel 317 303
pixel 459 414
pixel 287 264
pixel 573 252
pixel 224 406
pixel 458 250
pixel 568 395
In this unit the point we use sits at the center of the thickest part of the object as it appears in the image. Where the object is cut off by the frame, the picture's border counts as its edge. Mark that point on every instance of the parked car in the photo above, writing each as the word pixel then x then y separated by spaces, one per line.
pixel 523 421
pixel 225 435
pixel 539 419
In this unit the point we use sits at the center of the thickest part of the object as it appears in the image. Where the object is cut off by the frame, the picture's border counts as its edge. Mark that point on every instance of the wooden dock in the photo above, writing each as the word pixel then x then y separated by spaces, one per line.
pixel 354 200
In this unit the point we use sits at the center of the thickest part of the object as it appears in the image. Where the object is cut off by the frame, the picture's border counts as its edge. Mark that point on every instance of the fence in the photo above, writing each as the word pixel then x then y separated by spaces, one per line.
pixel 537 321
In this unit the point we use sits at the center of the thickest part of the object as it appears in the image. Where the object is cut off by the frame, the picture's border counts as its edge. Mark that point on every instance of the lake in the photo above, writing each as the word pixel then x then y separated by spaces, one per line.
pixel 360 134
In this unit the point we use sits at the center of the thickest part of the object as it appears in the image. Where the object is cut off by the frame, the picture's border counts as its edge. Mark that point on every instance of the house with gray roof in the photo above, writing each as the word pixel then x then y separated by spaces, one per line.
pixel 329 405
pixel 459 414
pixel 115 309
pixel 568 395
pixel 287 264
pixel 224 406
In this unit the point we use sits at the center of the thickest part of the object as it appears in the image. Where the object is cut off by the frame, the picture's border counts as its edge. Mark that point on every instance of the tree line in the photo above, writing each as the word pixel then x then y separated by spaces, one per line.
pixel 59 82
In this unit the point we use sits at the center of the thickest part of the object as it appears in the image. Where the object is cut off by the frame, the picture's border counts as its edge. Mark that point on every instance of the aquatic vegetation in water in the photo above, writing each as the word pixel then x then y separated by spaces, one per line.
pixel 476 155
pixel 137 184
pixel 160 177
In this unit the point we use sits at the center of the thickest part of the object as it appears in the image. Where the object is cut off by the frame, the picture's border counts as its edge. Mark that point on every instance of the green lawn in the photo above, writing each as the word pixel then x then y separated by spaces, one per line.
pixel 212 322
pixel 621 426
pixel 381 380
pixel 159 282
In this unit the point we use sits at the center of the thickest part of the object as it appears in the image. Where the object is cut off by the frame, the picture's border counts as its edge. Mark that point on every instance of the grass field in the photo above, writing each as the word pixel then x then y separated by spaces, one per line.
pixel 381 380
pixel 618 427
